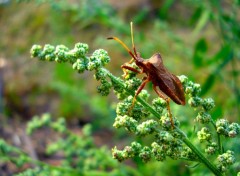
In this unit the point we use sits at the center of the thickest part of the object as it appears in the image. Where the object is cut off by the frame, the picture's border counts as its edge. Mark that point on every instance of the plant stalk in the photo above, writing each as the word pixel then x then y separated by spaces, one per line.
pixel 202 158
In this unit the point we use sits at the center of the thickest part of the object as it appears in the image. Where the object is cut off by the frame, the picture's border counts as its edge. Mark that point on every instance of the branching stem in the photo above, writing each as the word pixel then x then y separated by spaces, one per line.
pixel 184 138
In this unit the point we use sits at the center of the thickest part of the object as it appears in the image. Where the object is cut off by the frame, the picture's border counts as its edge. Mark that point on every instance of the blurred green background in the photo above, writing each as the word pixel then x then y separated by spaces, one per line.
pixel 199 39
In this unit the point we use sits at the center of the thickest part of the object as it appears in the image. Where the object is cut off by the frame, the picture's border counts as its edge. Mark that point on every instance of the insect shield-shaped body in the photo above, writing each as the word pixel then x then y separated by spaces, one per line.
pixel 161 78
pixel 167 82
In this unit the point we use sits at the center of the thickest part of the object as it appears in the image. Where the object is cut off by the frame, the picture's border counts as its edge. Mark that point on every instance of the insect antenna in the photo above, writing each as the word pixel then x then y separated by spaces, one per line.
pixel 133 46
pixel 124 45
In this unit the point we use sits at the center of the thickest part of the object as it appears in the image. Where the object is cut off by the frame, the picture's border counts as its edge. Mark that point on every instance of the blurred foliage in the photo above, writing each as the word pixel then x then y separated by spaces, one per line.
pixel 196 38
pixel 187 28
pixel 79 155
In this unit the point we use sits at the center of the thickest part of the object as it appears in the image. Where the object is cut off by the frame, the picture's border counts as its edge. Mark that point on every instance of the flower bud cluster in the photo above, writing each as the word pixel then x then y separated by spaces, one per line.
pixel 133 83
pixel 225 160
pixel 45 121
pixel 203 117
pixel 165 122
pixel 128 152
pixel 159 104
pixel 170 145
pixel 138 112
pixel 80 62
pixel 211 148
pixel 204 134
pixel 60 53
pixel 133 126
pixel 193 90
pixel 165 145
pixel 227 129
pixel 13 154
pixel 188 153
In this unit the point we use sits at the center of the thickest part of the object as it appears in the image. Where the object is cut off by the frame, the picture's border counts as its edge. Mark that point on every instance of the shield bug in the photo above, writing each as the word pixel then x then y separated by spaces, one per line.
pixel 165 84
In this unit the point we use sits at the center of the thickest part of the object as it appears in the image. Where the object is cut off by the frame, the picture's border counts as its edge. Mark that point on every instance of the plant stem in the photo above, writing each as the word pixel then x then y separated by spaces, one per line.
pixel 220 147
pixel 201 156
pixel 155 113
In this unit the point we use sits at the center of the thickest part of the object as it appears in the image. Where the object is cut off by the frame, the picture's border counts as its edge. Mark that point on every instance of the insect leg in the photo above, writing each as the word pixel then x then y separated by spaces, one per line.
pixel 160 94
pixel 126 67
pixel 140 88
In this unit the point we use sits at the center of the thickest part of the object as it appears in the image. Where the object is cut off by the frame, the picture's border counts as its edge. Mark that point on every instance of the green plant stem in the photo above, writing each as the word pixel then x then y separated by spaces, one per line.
pixel 201 156
pixel 220 147
pixel 155 113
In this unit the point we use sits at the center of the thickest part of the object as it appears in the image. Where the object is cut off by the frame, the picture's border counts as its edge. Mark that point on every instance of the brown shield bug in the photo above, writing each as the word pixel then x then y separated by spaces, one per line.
pixel 169 85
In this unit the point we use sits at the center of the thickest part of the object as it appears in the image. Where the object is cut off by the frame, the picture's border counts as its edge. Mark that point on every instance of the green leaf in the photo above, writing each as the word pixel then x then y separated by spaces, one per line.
pixel 200 52
pixel 208 83
pixel 196 15
pixel 163 12
pixel 202 21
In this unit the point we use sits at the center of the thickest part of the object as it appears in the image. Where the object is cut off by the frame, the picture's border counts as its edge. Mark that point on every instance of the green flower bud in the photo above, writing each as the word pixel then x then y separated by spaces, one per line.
pixel 158 152
pixel 146 127
pixel 48 49
pixel 35 50
pixel 129 152
pixel 188 153
pixel 50 57
pixel 208 104
pixel 92 65
pixel 59 126
pixel 165 122
pixel 125 121
pixel 100 74
pixel 222 126
pixel 61 48
pixel 234 129
pixel 82 47
pixel 118 154
pixel 136 146
pixel 144 95
pixel 204 134
pixel 122 107
pixel 60 56
pixel 60 53
pixel 79 65
pixel 46 119
pixel 195 101
pixel 133 84
pixel 183 79
pixel 203 117
pixel 145 154
pixel 72 55
pixel 225 160
pixel 211 148
pixel 196 89
pixel 164 137
pixel 159 104
pixel 137 112
pixel 102 55
pixel 193 89
pixel 104 88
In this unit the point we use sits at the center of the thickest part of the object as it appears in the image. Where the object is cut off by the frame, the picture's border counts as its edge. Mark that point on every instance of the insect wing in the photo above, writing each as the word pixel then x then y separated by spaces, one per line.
pixel 167 82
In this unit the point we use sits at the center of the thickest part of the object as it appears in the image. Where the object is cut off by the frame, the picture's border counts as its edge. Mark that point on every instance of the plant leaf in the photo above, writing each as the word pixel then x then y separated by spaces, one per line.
pixel 200 52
